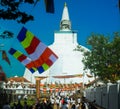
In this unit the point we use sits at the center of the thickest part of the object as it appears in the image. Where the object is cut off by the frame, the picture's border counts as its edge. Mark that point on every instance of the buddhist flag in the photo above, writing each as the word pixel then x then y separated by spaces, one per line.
pixel 49 4
pixel 26 61
pixel 42 56
pixel 5 57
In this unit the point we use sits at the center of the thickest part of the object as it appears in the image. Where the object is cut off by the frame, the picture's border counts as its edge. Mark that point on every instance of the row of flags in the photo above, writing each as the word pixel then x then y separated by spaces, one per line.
pixel 40 57
pixel 73 76
pixel 68 76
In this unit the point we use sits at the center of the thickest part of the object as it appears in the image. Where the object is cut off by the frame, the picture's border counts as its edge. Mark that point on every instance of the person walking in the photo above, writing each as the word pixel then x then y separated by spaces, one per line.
pixel 19 105
pixel 64 105
pixel 25 105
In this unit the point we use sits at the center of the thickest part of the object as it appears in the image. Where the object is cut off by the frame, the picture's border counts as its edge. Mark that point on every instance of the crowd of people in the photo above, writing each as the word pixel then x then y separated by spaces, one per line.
pixel 53 103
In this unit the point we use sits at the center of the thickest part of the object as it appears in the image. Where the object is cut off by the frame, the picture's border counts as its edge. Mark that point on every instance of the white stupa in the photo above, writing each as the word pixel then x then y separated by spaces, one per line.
pixel 69 61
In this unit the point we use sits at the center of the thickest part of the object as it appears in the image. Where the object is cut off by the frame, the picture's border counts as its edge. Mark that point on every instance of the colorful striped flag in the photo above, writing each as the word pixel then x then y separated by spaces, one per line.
pixel 23 59
pixel 41 55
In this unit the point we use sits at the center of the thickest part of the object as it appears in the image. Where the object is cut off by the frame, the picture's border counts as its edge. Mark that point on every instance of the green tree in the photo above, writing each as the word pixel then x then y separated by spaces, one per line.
pixel 6 34
pixel 103 59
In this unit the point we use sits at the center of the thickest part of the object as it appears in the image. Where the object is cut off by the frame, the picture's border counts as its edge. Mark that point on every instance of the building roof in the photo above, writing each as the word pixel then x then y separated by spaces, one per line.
pixel 18 79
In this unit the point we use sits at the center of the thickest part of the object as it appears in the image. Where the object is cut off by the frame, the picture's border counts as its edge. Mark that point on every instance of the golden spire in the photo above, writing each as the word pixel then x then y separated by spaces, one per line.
pixel 65 4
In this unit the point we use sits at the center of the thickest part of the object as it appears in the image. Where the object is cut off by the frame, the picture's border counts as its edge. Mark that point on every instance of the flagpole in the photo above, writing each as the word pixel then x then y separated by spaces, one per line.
pixel 1 45
pixel 83 79
pixel 64 82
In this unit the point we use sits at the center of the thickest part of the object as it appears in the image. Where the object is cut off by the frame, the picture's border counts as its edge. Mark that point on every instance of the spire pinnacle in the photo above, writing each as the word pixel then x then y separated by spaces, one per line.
pixel 65 23
pixel 65 4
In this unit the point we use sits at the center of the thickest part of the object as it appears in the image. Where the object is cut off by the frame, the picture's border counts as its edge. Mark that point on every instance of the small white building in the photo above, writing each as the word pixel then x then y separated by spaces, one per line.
pixel 15 88
pixel 19 86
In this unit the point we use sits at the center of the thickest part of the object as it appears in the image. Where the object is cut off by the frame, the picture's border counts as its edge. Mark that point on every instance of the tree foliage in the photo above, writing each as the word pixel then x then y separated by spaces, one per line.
pixel 103 59
pixel 9 9
pixel 6 34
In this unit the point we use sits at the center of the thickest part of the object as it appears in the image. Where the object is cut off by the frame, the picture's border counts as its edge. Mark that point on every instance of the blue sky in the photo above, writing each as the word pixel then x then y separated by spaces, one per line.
pixel 87 16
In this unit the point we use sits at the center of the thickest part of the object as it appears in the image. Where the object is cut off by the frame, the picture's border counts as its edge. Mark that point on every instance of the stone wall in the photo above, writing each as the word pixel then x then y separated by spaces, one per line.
pixel 105 96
